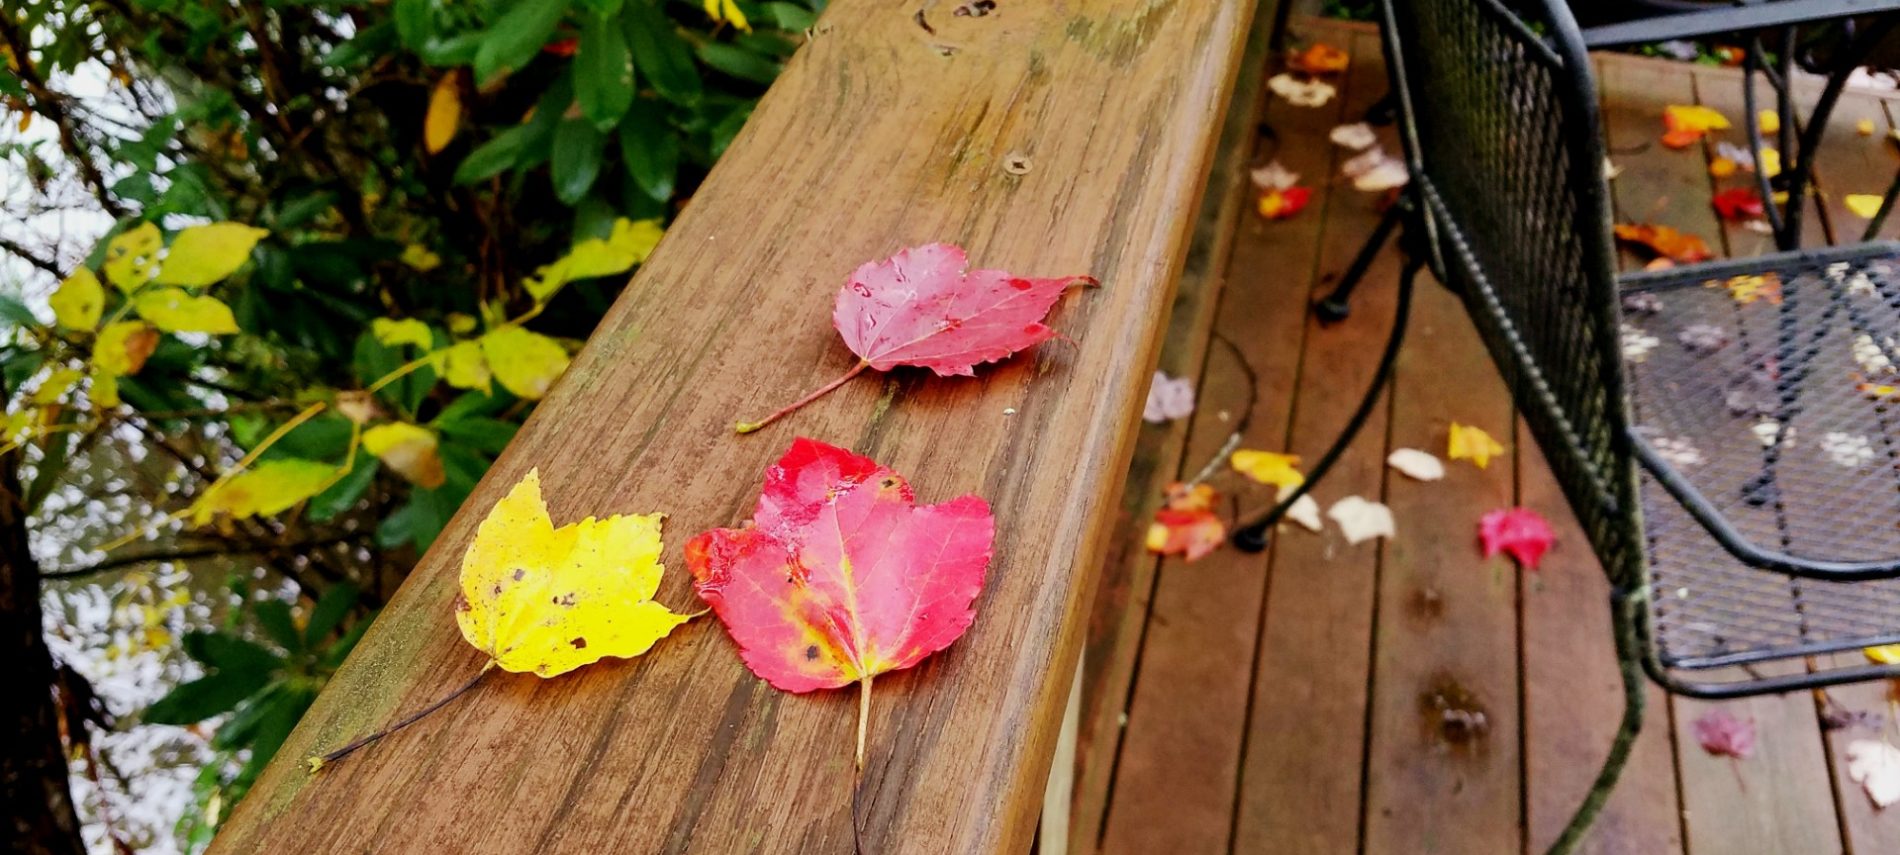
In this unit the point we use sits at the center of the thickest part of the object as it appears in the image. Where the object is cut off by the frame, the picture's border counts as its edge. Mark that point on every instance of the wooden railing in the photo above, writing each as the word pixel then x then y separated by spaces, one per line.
pixel 1049 137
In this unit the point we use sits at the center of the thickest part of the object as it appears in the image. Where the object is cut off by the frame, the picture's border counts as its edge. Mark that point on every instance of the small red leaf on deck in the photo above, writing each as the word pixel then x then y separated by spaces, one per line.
pixel 840 576
pixel 1518 532
pixel 1737 203
pixel 1281 204
pixel 1724 735
pixel 921 308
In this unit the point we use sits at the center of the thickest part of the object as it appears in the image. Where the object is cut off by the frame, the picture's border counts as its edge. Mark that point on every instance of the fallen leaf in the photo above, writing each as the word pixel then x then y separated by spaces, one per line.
pixel 201 255
pixel 1169 398
pixel 1267 467
pixel 408 449
pixel 1186 524
pixel 1281 204
pixel 1768 120
pixel 1355 136
pixel 79 301
pixel 1301 93
pixel 131 258
pixel 1863 205
pixel 1361 520
pixel 526 363
pixel 1684 126
pixel 1665 241
pixel 1885 654
pixel 1364 162
pixel 174 310
pixel 1321 58
pixel 1273 176
pixel 1387 175
pixel 1722 167
pixel 1771 166
pixel 1748 288
pixel 267 489
pixel 549 600
pixel 840 576
pixel 1611 171
pixel 1875 766
pixel 1520 533
pixel 1864 127
pixel 1473 444
pixel 444 117
pixel 921 308
pixel 1724 735
pixel 1416 464
pixel 1737 203
pixel 1304 511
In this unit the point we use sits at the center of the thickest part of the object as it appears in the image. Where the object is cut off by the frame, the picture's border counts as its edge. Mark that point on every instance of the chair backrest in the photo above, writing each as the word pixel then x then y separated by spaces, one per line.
pixel 1501 130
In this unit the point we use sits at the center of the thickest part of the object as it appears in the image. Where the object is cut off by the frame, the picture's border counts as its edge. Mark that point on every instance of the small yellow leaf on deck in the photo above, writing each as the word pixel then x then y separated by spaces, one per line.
pixel 1885 654
pixel 1864 127
pixel 1864 205
pixel 1473 444
pixel 549 600
pixel 1769 120
pixel 1268 467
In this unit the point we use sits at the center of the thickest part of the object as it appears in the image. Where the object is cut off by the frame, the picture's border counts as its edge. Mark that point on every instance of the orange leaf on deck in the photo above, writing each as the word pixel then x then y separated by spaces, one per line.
pixel 1321 58
pixel 1187 525
pixel 1665 241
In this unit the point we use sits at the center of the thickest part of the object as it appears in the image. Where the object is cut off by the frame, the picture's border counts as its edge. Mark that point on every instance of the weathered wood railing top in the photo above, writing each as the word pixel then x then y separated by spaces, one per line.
pixel 1050 138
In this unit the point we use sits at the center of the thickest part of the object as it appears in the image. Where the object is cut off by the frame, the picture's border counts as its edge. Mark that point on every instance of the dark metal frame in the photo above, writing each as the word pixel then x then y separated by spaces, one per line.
pixel 1587 437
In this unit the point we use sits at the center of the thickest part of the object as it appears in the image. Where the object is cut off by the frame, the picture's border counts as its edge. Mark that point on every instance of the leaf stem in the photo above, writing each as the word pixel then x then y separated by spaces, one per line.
pixel 316 764
pixel 748 427
pixel 864 716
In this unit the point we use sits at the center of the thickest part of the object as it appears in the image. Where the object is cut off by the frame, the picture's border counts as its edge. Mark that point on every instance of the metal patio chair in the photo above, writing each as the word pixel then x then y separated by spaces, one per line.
pixel 1730 441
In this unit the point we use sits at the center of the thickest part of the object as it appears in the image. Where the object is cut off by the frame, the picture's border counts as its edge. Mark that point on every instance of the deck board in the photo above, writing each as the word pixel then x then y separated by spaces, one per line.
pixel 1335 751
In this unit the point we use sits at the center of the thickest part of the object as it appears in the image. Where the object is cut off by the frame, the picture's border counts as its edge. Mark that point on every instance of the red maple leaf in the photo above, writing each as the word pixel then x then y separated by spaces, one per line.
pixel 920 308
pixel 1737 203
pixel 1724 735
pixel 1519 532
pixel 839 576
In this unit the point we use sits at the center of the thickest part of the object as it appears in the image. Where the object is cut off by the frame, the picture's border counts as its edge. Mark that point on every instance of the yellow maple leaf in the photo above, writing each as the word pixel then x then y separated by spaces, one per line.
pixel 629 243
pixel 201 255
pixel 726 10
pixel 408 449
pixel 267 489
pixel 1885 654
pixel 464 367
pixel 393 333
pixel 445 114
pixel 549 600
pixel 1863 205
pixel 1268 467
pixel 122 347
pixel 132 257
pixel 525 363
pixel 1769 120
pixel 1694 119
pixel 1473 444
pixel 173 310
pixel 79 301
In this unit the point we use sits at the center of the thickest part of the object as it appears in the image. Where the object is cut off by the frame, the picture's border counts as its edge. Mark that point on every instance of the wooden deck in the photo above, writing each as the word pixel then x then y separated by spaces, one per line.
pixel 1292 701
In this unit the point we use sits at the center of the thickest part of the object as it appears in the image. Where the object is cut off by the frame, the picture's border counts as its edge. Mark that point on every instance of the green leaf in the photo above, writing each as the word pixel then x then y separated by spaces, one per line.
pixel 336 653
pixel 279 717
pixel 577 150
pixel 302 209
pixel 367 45
pixel 274 617
pixel 16 313
pixel 661 54
pixel 791 16
pixel 738 62
pixel 603 72
pixel 458 49
pixel 728 128
pixel 493 157
pixel 650 149
pixel 229 653
pixel 324 437
pixel 237 731
pixel 482 434
pixel 193 702
pixel 415 22
pixel 20 367
pixel 346 492
pixel 516 37
pixel 329 611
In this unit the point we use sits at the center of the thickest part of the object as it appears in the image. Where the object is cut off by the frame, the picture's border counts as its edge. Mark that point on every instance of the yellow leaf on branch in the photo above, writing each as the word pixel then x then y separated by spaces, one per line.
pixel 549 600
pixel 55 385
pixel 123 346
pixel 408 449
pixel 630 242
pixel 267 489
pixel 728 11
pixel 526 363
pixel 464 366
pixel 174 310
pixel 79 301
pixel 201 255
pixel 132 257
pixel 445 114
pixel 393 333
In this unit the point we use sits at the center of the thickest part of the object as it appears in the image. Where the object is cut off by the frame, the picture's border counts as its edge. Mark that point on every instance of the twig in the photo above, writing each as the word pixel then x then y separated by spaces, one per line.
pixel 30 257
pixel 1246 415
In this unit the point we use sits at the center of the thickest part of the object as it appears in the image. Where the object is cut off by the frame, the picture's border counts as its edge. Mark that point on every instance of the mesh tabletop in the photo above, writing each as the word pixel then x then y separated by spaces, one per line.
pixel 1774 393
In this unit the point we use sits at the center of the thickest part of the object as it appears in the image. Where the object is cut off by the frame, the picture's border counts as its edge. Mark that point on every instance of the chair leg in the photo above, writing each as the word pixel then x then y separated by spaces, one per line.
pixel 1629 662
pixel 1336 305
pixel 1252 536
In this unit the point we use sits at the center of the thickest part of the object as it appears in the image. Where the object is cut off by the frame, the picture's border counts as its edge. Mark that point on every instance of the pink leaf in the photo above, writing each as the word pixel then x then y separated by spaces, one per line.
pixel 1518 532
pixel 1724 735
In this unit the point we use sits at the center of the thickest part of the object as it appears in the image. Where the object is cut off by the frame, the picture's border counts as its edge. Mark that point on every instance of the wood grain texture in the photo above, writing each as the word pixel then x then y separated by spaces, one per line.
pixel 1126 588
pixel 879 135
pixel 1301 781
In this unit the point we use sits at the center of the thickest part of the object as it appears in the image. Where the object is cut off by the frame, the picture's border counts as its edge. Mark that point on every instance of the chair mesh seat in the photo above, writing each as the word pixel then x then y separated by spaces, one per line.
pixel 1772 388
